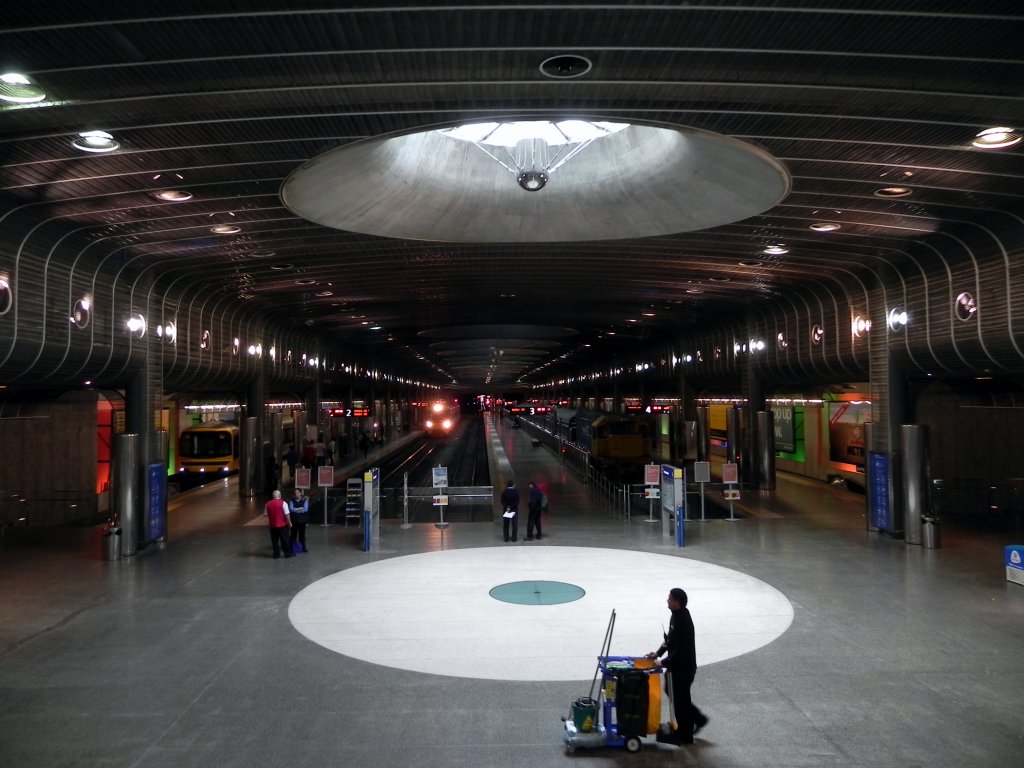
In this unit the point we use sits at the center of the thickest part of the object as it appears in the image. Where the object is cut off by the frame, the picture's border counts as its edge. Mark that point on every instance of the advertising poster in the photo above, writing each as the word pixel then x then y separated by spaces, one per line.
pixel 785 435
pixel 846 431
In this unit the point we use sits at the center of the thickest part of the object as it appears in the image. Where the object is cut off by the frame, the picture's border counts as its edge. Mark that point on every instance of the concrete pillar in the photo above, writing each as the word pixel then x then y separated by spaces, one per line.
pixel 914 451
pixel 766 450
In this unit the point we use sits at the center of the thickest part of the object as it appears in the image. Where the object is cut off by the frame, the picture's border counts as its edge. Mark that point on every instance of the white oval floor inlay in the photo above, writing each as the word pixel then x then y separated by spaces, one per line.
pixel 433 613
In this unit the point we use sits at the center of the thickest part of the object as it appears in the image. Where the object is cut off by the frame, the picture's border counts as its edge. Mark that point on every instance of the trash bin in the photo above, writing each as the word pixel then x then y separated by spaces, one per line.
pixel 930 533
pixel 111 543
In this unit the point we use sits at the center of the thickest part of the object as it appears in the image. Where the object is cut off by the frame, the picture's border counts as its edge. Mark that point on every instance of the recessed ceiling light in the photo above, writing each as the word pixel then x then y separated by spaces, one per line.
pixel 721 279
pixel 225 229
pixel 305 281
pixel 892 192
pixel 15 88
pixel 281 267
pixel 324 294
pixel 776 250
pixel 95 141
pixel 825 226
pixel 566 66
pixel 173 195
pixel 996 138
pixel 750 263
pixel 695 290
pixel 261 254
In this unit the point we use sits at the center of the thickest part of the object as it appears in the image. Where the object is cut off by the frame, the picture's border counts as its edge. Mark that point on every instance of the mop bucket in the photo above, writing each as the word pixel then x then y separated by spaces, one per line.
pixel 584 714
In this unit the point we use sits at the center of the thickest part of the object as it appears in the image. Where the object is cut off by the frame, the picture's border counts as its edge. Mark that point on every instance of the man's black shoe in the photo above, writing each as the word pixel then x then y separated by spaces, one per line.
pixel 699 725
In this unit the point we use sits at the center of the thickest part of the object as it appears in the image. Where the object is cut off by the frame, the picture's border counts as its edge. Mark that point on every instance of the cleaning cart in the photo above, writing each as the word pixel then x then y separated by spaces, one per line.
pixel 628 704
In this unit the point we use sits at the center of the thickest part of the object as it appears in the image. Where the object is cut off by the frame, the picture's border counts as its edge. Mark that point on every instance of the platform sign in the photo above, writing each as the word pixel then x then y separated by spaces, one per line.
pixel 731 494
pixel 440 501
pixel 702 472
pixel 1015 564
pixel 325 476
pixel 878 482
pixel 652 493
pixel 440 477
pixel 730 473
pixel 652 474
pixel 303 477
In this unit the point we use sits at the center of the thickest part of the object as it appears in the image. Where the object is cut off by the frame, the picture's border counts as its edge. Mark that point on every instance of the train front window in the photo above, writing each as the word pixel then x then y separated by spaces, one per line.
pixel 206 445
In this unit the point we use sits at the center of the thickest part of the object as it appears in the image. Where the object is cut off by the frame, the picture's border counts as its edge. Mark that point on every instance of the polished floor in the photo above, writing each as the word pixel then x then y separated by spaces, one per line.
pixel 821 644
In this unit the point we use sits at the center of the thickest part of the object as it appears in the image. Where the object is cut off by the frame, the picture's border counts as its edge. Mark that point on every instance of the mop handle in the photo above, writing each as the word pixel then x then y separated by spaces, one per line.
pixel 606 646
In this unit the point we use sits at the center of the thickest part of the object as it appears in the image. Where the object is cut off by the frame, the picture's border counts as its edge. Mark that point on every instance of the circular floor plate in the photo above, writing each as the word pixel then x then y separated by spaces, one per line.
pixel 537 592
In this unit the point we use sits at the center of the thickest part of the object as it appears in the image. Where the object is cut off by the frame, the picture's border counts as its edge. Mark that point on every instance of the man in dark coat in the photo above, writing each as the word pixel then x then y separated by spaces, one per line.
pixel 510 503
pixel 681 664
pixel 534 503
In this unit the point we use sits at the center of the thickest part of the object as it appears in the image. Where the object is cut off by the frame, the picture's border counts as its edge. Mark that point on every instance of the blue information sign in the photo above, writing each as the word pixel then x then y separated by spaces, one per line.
pixel 878 470
pixel 156 516
pixel 1015 564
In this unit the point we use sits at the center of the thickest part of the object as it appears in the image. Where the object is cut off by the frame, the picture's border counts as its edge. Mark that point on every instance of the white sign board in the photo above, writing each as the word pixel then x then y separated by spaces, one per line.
pixel 440 477
pixel 652 474
pixel 702 472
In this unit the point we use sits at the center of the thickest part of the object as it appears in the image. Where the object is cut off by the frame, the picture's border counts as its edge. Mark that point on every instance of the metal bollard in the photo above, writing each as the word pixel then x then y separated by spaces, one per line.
pixel 111 543
pixel 930 533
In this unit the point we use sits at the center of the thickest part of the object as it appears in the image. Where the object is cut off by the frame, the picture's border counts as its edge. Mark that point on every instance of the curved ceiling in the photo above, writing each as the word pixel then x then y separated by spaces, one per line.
pixel 217 109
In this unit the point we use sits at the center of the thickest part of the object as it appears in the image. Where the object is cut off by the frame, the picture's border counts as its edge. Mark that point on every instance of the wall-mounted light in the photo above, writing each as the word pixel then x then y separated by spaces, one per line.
pixel 171 333
pixel 6 295
pixel 817 334
pixel 756 345
pixel 236 345
pixel 205 340
pixel 136 325
pixel 81 312
pixel 859 326
pixel 781 342
pixel 898 319
pixel 964 306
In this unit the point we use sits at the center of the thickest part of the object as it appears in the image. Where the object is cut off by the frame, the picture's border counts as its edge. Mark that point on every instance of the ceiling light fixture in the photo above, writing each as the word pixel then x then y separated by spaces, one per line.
pixel 777 249
pixel 892 192
pixel 6 295
pixel 825 226
pixel 16 88
pixel 996 138
pixel 225 229
pixel 533 150
pixel 95 141
pixel 173 195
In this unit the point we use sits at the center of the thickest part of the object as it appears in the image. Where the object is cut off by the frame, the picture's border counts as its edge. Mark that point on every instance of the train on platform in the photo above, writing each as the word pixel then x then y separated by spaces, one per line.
pixel 619 444
pixel 208 451
pixel 441 419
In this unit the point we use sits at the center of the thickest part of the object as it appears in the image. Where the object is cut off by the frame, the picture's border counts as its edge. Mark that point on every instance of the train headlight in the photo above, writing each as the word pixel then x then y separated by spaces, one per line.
pixel 447 424
pixel 202 469
pixel 430 424
pixel 224 469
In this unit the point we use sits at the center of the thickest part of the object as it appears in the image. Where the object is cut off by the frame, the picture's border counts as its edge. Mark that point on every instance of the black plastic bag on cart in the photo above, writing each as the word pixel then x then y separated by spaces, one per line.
pixel 631 700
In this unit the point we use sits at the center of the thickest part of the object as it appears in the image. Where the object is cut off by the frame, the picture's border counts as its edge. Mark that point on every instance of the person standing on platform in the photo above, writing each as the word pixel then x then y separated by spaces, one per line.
pixel 309 455
pixel 277 517
pixel 298 508
pixel 291 456
pixel 681 664
pixel 510 504
pixel 534 505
